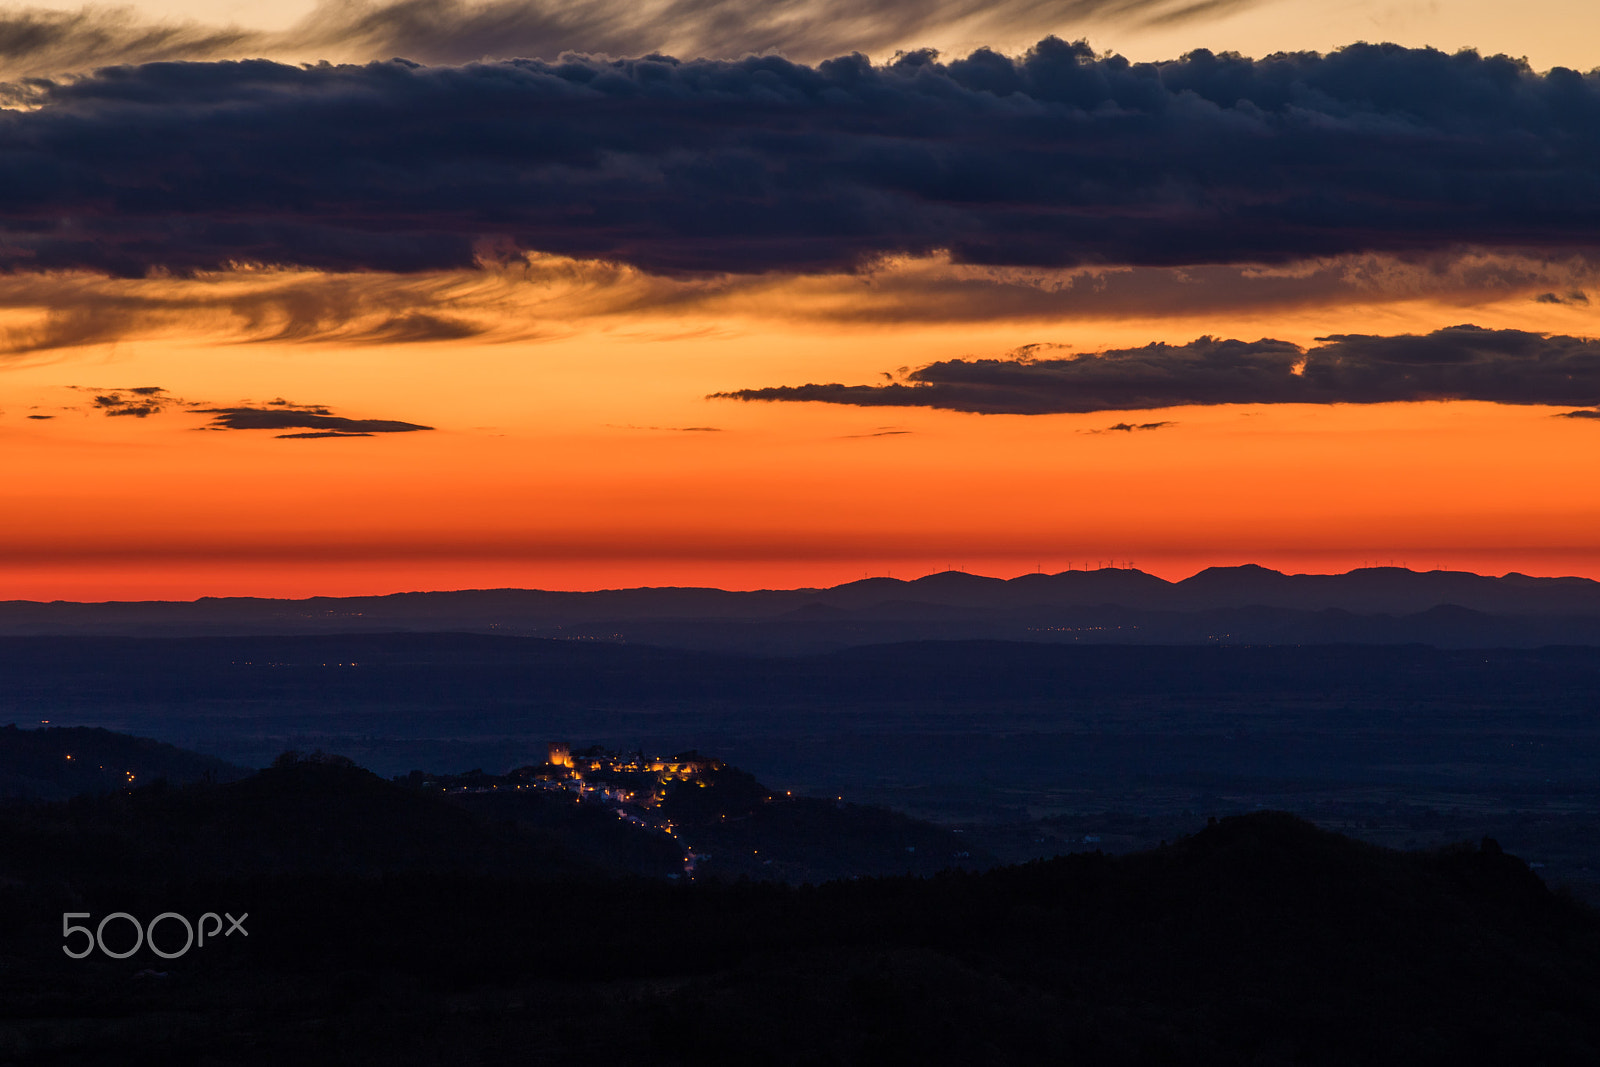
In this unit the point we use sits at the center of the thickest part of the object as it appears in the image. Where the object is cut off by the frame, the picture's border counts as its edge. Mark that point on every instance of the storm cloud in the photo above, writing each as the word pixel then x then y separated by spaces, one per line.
pixel 1058 158
pixel 1456 363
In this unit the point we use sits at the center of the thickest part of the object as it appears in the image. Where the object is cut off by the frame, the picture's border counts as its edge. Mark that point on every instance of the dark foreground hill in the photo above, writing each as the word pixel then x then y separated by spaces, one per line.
pixel 322 816
pixel 54 763
pixel 1259 939
pixel 720 823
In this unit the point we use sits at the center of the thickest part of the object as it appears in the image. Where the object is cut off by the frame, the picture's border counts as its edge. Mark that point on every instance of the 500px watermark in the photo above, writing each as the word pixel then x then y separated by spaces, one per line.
pixel 194 934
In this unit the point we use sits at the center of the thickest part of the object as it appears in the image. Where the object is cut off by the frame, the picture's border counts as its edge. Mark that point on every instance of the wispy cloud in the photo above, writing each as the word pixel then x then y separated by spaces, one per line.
pixel 36 41
pixel 74 309
pixel 547 297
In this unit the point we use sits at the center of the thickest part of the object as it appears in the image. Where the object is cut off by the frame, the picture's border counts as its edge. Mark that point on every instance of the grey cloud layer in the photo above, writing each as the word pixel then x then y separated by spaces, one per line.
pixel 1058 158
pixel 35 41
pixel 1457 363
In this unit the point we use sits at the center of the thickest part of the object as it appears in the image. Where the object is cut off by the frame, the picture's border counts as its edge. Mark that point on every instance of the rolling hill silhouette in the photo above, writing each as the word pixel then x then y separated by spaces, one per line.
pixel 55 763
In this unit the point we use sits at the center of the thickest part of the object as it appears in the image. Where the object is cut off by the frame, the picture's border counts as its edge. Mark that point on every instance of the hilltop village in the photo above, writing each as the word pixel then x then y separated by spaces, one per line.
pixel 717 819
pixel 633 786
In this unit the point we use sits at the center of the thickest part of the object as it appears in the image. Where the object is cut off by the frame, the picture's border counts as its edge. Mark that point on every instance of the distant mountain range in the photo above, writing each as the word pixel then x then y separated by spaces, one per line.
pixel 1234 605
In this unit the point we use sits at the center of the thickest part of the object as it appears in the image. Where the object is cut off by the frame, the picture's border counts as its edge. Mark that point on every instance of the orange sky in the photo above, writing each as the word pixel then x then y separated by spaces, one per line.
pixel 565 453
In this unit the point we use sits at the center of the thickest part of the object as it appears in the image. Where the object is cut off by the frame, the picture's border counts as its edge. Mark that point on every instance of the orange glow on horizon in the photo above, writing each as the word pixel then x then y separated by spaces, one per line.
pixel 100 582
pixel 589 457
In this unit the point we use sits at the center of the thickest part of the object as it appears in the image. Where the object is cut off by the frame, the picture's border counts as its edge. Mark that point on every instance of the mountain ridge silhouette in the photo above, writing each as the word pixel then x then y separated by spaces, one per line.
pixel 1235 604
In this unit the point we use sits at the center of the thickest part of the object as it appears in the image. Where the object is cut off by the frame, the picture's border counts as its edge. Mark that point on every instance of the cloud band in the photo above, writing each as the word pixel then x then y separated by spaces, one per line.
pixel 1057 158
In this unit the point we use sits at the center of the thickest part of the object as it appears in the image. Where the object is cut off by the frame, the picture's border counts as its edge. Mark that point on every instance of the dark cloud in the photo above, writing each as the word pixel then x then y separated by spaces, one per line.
pixel 318 435
pixel 417 326
pixel 275 414
pixel 34 41
pixel 1130 427
pixel 281 416
pixel 1576 296
pixel 1579 415
pixel 1456 363
pixel 139 402
pixel 41 417
pixel 1054 159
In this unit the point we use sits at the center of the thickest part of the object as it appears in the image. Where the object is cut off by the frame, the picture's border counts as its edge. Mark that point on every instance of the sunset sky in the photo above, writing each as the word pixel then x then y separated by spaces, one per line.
pixel 522 311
